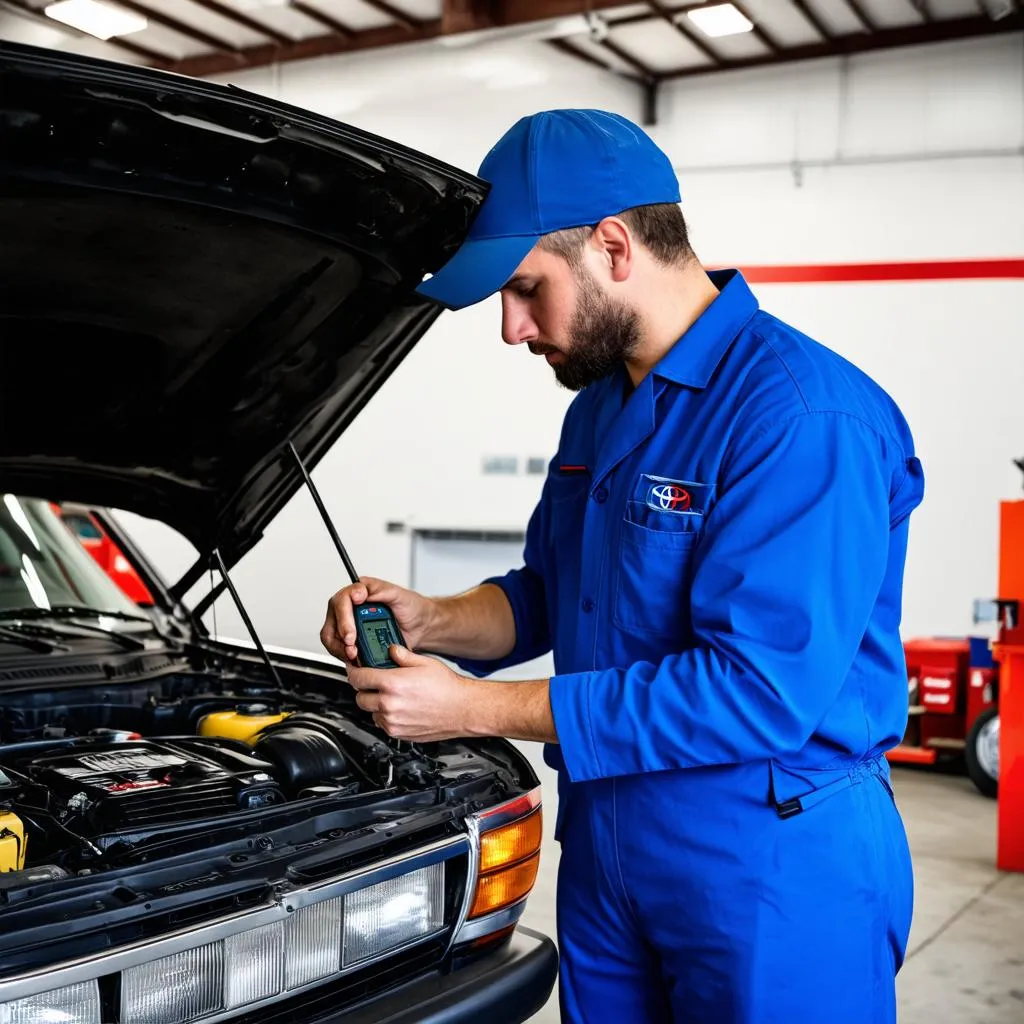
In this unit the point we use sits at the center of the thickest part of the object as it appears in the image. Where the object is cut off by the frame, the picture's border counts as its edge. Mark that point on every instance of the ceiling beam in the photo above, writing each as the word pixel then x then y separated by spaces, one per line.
pixel 568 48
pixel 519 12
pixel 23 9
pixel 650 102
pixel 921 8
pixel 240 18
pixel 689 34
pixel 813 18
pixel 196 34
pixel 511 12
pixel 909 35
pixel 466 16
pixel 324 20
pixel 766 40
pixel 304 49
pixel 646 73
pixel 866 21
pixel 508 12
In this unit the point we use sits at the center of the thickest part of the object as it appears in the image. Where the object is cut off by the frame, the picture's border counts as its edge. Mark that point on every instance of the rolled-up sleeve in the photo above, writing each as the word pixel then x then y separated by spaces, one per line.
pixel 785 576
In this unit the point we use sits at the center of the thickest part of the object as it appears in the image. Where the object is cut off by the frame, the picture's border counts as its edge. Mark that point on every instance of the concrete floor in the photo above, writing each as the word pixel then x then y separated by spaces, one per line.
pixel 965 961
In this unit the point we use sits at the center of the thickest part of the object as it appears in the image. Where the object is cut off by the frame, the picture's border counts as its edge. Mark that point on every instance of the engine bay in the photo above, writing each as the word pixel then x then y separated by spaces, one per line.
pixel 97 777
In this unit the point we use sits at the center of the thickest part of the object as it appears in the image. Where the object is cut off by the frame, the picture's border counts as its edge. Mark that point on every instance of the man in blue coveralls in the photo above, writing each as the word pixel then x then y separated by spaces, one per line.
pixel 716 562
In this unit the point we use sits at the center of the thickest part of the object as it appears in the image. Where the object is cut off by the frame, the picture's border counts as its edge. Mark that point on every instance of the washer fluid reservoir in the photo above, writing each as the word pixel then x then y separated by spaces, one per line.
pixel 244 723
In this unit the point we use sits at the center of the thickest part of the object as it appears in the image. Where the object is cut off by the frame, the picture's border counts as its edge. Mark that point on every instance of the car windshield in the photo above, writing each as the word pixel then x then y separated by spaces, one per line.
pixel 42 564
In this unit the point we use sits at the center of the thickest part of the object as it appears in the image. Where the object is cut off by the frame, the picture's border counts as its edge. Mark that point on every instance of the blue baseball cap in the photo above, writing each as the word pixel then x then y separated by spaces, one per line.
pixel 553 170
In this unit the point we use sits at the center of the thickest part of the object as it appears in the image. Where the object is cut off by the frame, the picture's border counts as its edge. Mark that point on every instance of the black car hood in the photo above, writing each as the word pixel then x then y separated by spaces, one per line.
pixel 191 277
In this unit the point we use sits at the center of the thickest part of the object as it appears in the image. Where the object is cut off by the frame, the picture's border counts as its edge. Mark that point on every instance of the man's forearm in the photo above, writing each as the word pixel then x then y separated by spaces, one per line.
pixel 478 624
pixel 517 711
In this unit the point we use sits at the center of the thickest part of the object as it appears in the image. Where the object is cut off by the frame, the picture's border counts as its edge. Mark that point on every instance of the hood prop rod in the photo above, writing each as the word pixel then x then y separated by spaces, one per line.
pixel 343 554
pixel 223 570
pixel 311 487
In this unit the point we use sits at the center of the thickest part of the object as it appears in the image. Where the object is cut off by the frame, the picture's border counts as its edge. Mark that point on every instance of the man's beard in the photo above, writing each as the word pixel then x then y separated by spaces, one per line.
pixel 602 336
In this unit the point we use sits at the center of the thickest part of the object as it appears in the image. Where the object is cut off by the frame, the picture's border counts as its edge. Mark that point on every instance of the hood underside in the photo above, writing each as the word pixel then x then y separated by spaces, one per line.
pixel 190 278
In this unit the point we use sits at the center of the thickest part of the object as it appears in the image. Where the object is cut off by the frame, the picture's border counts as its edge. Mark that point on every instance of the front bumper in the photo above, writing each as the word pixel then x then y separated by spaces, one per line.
pixel 505 987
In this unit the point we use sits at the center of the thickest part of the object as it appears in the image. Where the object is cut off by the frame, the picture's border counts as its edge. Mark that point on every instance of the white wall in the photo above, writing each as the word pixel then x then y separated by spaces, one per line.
pixel 915 154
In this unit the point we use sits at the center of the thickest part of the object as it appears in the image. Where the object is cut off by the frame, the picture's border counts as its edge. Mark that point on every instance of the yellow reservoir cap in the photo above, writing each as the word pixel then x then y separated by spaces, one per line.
pixel 12 842
pixel 238 725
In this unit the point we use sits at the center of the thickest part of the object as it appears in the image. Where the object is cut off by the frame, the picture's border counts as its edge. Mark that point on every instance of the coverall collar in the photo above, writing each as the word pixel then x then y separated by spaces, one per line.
pixel 694 357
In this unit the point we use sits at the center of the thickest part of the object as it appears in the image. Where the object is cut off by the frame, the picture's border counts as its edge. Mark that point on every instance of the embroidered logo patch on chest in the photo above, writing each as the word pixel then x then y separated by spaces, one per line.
pixel 670 498
pixel 679 496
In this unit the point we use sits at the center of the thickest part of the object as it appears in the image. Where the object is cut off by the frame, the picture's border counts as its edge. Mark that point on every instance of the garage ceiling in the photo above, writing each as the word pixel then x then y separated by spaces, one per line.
pixel 649 42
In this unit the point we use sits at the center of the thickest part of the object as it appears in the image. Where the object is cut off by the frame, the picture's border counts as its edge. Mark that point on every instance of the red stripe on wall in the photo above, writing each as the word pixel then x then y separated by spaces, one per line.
pixel 934 270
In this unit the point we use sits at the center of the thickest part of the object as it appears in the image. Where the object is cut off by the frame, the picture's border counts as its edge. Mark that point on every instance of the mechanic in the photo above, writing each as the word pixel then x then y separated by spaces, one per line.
pixel 716 561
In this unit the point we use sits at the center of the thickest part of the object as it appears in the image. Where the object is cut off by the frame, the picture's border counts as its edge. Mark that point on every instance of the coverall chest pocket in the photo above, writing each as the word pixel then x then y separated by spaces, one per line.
pixel 652 591
pixel 567 499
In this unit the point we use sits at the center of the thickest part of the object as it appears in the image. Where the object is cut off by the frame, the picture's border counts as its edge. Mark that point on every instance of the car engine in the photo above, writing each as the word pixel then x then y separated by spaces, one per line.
pixel 97 775
pixel 95 787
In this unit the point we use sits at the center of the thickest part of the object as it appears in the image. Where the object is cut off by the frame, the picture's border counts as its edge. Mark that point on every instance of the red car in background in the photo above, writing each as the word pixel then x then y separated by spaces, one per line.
pixel 87 528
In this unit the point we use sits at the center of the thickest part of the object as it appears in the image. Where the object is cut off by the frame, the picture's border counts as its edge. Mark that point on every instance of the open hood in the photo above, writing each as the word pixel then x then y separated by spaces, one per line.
pixel 191 277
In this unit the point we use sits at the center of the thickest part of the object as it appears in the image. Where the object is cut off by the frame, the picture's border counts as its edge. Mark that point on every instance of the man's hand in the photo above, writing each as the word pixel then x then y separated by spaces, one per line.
pixel 425 701
pixel 422 700
pixel 413 612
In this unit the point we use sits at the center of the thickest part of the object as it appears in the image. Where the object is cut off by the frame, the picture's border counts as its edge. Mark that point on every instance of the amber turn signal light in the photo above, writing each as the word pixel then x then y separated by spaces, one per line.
pixel 510 843
pixel 509 858
pixel 505 886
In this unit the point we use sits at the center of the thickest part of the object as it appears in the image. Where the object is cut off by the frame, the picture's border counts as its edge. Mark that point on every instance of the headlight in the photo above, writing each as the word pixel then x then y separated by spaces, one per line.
pixel 312 943
pixel 73 1004
pixel 253 965
pixel 175 988
pixel 393 913
pixel 239 963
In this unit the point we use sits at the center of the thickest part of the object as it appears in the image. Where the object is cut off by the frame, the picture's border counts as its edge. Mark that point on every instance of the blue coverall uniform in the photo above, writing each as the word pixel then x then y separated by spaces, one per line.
pixel 716 562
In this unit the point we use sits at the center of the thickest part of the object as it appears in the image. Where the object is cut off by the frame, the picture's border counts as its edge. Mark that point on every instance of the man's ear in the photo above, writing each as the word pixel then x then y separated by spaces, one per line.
pixel 615 244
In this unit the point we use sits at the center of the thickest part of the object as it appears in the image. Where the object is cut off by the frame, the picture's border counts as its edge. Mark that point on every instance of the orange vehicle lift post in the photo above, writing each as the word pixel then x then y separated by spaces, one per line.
pixel 1009 652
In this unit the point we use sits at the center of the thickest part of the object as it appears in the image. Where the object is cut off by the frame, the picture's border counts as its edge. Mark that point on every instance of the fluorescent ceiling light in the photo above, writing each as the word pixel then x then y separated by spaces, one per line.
pixel 99 20
pixel 719 20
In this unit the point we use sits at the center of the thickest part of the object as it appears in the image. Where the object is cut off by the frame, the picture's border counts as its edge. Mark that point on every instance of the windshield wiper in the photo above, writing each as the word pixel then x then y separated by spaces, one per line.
pixel 71 630
pixel 32 643
pixel 70 611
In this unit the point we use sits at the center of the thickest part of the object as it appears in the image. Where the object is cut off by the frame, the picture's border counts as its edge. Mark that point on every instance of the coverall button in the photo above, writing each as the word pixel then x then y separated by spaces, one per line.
pixel 600 495
pixel 588 605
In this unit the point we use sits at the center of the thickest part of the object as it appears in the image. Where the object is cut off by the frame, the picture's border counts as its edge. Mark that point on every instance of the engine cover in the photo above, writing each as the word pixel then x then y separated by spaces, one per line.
pixel 139 784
